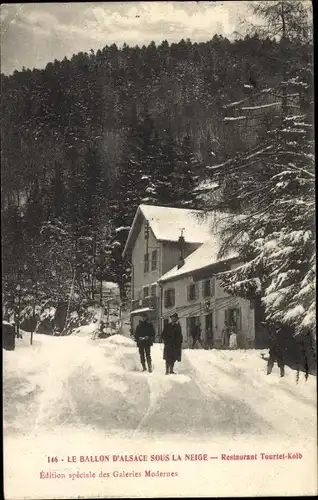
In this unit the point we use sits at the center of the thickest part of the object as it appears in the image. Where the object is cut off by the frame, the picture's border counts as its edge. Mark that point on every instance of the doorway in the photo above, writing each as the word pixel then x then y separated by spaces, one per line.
pixel 192 321
pixel 209 334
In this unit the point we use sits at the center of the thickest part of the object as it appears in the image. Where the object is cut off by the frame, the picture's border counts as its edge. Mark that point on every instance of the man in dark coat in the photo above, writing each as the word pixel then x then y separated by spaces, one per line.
pixel 277 352
pixel 172 338
pixel 145 336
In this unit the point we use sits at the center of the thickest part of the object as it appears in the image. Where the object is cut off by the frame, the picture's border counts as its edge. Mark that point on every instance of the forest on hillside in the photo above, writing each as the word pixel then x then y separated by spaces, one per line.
pixel 86 139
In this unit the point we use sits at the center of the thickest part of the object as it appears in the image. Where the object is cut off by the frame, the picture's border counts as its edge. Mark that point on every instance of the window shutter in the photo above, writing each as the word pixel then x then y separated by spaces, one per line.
pixel 188 292
pixel 197 290
pixel 154 260
pixel 173 297
pixel 208 288
pixel 146 262
pixel 166 298
pixel 203 289
pixel 212 285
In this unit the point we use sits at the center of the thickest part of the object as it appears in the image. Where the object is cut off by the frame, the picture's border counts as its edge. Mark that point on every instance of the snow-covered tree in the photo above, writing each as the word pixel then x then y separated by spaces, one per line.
pixel 274 229
pixel 186 174
pixel 270 186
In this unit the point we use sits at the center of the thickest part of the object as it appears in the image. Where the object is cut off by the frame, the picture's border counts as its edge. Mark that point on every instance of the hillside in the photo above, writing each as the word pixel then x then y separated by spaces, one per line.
pixel 87 139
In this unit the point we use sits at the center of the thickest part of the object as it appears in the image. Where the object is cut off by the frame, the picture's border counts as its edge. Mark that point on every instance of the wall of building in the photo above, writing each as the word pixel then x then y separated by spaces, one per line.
pixel 171 252
pixel 140 279
pixel 167 258
pixel 217 304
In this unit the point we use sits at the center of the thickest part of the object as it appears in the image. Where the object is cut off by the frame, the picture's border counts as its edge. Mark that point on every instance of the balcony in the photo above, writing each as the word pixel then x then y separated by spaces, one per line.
pixel 152 302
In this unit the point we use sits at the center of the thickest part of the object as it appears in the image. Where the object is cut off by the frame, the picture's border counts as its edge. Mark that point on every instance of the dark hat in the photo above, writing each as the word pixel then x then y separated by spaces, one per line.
pixel 174 315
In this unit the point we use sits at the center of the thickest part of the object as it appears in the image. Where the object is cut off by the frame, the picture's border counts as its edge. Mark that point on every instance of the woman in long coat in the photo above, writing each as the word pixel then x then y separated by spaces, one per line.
pixel 172 338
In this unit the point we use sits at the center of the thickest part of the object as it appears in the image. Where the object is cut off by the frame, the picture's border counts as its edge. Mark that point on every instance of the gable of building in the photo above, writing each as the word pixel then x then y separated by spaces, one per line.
pixel 168 223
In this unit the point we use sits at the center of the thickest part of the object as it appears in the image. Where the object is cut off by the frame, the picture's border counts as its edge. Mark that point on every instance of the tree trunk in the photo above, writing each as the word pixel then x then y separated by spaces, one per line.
pixel 31 338
pixel 18 316
pixel 94 264
pixel 101 290
pixel 285 62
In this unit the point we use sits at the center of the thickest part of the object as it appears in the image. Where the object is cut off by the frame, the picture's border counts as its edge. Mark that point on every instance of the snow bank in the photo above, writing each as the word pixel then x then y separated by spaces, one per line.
pixel 73 396
pixel 120 340
pixel 7 323
pixel 86 330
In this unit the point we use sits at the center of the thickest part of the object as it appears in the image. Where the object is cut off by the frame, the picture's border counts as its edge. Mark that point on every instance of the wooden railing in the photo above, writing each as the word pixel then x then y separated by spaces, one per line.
pixel 151 302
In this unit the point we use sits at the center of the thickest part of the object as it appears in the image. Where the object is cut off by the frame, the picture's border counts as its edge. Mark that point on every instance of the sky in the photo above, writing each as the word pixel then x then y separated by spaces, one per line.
pixel 34 34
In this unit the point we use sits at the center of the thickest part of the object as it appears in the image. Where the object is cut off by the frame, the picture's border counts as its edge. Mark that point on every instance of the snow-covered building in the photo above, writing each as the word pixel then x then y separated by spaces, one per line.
pixel 196 294
pixel 174 257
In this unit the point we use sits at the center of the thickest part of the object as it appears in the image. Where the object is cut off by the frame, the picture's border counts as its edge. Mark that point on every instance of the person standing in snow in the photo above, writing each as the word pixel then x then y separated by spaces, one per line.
pixel 225 339
pixel 196 335
pixel 277 351
pixel 210 340
pixel 172 339
pixel 233 340
pixel 145 336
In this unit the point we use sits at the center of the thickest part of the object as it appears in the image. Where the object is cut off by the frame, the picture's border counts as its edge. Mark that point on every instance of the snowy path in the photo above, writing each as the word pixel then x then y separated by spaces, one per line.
pixel 74 390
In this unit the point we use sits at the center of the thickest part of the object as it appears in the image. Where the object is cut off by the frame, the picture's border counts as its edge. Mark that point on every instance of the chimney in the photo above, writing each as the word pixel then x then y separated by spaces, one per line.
pixel 181 244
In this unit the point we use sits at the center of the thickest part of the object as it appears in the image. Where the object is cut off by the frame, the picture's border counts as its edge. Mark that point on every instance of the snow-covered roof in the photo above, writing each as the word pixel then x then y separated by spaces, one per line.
pixel 206 255
pixel 167 223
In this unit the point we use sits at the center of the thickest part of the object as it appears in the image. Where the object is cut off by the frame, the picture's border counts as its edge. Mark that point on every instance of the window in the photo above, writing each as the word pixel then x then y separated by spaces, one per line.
pixel 146 291
pixel 146 263
pixel 193 292
pixel 206 288
pixel 153 289
pixel 212 287
pixel 169 298
pixel 154 257
pixel 233 318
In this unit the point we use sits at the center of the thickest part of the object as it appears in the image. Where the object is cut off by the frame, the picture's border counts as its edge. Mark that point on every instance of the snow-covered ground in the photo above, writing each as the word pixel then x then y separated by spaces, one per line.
pixel 68 397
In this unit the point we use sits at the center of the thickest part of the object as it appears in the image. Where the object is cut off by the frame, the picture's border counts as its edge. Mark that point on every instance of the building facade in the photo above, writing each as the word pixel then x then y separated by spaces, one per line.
pixel 203 301
pixel 174 259
pixel 153 247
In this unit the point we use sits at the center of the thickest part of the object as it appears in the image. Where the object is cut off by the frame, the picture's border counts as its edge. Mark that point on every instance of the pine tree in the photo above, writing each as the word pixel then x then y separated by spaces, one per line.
pixel 164 164
pixel 275 231
pixel 186 174
pixel 57 192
